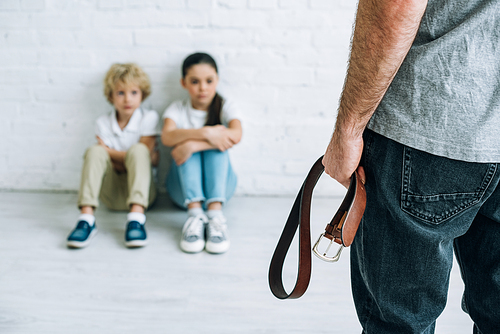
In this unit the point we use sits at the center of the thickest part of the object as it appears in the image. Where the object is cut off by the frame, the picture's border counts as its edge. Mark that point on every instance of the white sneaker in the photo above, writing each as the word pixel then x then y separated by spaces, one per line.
pixel 217 239
pixel 193 234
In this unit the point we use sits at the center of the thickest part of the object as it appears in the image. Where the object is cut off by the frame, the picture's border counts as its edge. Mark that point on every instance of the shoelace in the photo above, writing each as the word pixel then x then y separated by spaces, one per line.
pixel 216 227
pixel 132 225
pixel 83 225
pixel 195 225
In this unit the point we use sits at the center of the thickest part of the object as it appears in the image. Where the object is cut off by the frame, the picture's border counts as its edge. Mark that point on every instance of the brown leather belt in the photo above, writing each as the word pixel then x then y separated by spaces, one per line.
pixel 341 230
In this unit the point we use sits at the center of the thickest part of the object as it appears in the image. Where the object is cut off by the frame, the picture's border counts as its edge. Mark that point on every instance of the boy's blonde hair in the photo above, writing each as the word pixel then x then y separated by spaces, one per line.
pixel 129 73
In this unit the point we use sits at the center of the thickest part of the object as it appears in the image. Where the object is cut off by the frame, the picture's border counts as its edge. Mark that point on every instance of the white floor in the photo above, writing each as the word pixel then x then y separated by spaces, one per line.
pixel 106 288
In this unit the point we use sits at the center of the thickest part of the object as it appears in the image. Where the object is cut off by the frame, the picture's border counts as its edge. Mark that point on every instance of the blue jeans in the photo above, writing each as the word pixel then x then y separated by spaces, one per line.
pixel 421 208
pixel 206 177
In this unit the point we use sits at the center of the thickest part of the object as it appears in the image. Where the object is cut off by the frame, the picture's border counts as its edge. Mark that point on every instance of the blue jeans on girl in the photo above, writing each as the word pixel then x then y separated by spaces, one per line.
pixel 420 209
pixel 205 177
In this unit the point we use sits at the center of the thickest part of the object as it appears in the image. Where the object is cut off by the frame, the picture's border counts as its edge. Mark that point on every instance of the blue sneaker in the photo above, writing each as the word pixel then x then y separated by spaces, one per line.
pixel 135 235
pixel 82 235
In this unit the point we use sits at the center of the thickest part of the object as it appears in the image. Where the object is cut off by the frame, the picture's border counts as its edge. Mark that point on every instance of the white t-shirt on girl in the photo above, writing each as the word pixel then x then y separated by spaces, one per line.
pixel 142 123
pixel 186 117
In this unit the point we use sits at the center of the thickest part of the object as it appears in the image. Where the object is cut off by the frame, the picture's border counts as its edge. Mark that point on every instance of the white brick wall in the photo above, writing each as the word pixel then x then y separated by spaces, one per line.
pixel 283 61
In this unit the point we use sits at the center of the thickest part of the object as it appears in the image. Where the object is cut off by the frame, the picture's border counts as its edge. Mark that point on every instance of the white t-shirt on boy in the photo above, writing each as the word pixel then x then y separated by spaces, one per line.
pixel 142 123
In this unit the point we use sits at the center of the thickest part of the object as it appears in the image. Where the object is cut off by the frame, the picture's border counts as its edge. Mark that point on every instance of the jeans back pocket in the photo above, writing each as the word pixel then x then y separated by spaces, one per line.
pixel 436 188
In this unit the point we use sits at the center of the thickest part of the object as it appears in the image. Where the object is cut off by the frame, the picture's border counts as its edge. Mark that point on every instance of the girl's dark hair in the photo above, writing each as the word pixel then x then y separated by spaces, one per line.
pixel 214 110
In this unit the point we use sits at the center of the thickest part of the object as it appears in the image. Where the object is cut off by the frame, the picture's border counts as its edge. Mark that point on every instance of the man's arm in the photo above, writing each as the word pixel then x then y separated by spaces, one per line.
pixel 383 34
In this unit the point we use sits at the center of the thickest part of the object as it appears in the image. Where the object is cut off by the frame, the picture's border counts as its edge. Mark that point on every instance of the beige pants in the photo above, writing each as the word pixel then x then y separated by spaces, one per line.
pixel 116 190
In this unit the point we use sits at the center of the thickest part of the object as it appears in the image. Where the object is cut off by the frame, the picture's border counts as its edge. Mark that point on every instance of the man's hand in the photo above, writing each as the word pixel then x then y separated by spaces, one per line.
pixel 384 32
pixel 342 157
pixel 219 136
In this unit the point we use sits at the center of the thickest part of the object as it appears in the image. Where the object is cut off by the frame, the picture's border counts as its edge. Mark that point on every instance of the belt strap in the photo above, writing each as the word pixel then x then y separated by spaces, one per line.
pixel 341 229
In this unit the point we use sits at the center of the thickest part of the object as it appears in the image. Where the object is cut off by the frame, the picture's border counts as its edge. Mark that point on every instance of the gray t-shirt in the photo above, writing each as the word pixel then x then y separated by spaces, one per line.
pixel 445 99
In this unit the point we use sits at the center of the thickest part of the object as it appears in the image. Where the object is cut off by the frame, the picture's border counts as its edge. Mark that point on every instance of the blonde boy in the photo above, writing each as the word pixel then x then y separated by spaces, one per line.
pixel 117 170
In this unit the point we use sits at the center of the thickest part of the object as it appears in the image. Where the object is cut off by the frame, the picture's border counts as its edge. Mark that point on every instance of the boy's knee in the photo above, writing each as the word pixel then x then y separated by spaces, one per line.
pixel 96 152
pixel 138 150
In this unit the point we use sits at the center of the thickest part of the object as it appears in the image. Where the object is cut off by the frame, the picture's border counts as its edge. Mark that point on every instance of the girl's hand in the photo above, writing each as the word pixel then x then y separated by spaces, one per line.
pixel 182 152
pixel 219 136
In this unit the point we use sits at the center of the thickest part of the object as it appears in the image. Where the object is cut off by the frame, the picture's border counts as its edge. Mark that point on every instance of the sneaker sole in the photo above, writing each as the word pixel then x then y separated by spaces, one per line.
pixel 136 243
pixel 217 248
pixel 82 244
pixel 192 247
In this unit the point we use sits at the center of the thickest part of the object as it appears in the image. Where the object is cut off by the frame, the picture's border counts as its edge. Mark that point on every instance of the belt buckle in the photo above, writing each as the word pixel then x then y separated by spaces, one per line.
pixel 324 256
